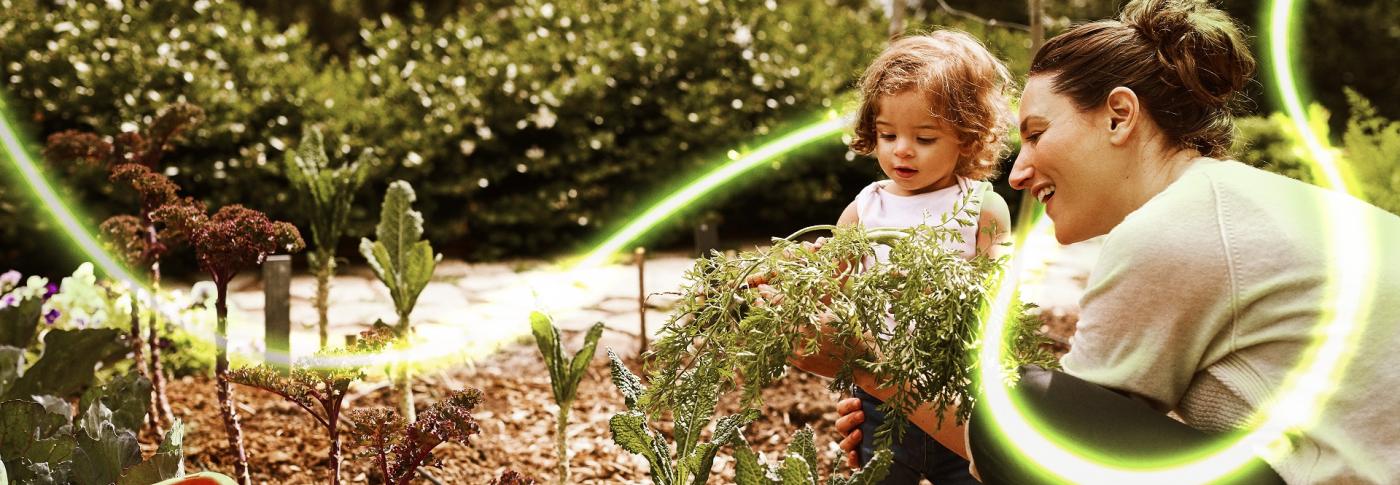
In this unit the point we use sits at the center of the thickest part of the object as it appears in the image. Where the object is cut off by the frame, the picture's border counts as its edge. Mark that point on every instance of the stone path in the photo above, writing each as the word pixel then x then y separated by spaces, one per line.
pixel 470 309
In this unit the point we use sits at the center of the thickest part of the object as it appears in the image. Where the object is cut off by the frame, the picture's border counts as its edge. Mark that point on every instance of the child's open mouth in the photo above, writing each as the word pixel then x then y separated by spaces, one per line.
pixel 905 172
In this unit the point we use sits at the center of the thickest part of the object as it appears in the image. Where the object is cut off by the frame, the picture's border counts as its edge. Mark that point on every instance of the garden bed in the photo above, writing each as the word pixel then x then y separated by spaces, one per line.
pixel 516 417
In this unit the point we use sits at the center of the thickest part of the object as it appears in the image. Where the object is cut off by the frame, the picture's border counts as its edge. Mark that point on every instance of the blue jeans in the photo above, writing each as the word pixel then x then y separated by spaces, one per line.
pixel 916 455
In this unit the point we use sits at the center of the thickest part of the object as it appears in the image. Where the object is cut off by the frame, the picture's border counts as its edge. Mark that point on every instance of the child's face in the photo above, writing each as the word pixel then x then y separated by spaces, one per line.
pixel 917 152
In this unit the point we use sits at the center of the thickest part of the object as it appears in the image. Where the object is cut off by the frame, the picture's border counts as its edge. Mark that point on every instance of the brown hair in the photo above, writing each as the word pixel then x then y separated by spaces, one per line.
pixel 1186 61
pixel 967 89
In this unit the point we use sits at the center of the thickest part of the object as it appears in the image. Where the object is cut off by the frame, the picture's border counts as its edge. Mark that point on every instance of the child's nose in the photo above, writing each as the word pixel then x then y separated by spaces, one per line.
pixel 904 149
pixel 1021 172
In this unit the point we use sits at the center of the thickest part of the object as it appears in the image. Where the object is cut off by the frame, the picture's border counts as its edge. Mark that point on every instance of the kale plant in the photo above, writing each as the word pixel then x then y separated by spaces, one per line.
pixel 800 466
pixel 399 448
pixel 564 376
pixel 326 194
pixel 746 317
pixel 404 263
pixel 133 159
pixel 697 394
pixel 318 388
pixel 234 239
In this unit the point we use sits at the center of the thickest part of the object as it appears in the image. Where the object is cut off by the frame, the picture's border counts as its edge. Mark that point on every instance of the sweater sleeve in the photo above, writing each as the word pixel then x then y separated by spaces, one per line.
pixel 1160 303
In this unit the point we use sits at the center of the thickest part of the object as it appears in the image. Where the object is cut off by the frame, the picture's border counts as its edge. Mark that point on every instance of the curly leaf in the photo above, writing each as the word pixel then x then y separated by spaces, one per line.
pixel 803 446
pixel 872 473
pixel 796 471
pixel 747 469
pixel 629 430
pixel 103 450
pixel 398 257
pixel 625 380
pixel 127 397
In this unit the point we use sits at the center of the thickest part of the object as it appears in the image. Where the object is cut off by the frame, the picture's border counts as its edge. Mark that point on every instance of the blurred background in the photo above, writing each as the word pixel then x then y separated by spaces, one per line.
pixel 531 129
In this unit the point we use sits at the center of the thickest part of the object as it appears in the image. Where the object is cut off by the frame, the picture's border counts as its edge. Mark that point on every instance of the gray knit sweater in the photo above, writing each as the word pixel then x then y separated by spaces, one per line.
pixel 1205 298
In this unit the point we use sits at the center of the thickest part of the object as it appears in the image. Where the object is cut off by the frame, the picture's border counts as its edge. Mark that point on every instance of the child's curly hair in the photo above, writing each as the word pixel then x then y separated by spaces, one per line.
pixel 967 87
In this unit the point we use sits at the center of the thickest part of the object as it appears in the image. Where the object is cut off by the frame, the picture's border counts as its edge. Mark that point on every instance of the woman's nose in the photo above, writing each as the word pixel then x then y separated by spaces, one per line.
pixel 1021 172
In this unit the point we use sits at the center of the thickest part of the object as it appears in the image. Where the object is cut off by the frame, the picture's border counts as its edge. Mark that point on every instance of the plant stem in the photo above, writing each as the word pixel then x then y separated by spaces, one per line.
pixel 334 429
pixel 405 377
pixel 230 414
pixel 323 291
pixel 560 442
pixel 157 372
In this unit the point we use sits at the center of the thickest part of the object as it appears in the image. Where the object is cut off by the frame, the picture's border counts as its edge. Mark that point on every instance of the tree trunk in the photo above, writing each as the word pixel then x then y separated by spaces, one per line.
pixel 561 443
pixel 405 377
pixel 226 405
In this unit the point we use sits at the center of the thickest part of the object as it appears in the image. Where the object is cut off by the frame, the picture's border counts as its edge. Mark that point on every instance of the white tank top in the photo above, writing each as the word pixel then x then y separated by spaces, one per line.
pixel 877 207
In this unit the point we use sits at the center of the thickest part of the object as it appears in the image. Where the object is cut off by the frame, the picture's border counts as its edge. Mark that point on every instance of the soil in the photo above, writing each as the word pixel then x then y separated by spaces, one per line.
pixel 285 446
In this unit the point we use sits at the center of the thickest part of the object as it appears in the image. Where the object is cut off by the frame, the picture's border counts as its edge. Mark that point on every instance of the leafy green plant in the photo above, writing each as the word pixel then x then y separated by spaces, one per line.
pixel 564 376
pixel 399 447
pixel 697 394
pixel 748 316
pixel 800 466
pixel 326 195
pixel 318 388
pixel 404 262
pixel 235 238
pixel 41 441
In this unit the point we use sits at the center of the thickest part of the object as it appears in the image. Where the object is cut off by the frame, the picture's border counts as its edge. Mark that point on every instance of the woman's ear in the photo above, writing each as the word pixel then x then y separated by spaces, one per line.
pixel 1124 114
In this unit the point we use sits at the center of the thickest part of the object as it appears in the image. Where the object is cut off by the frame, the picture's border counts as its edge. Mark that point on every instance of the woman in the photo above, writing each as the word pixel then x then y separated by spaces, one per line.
pixel 1211 282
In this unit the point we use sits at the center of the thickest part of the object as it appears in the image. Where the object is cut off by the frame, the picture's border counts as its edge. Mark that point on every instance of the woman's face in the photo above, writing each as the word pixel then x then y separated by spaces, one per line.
pixel 1067 162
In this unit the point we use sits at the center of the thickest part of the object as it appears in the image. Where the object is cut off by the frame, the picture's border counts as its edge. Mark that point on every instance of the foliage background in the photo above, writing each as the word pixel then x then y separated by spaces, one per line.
pixel 530 128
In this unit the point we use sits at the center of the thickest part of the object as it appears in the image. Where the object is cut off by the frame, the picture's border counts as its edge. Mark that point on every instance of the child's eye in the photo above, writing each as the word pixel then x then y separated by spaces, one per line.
pixel 1033 137
pixel 926 141
pixel 886 136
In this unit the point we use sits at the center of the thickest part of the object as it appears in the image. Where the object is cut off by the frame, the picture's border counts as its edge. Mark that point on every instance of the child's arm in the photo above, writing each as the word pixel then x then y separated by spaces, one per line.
pixel 993 225
pixel 828 359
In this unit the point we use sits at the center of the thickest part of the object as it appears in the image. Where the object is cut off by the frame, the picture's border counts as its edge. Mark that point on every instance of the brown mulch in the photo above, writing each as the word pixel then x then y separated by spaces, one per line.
pixel 285 446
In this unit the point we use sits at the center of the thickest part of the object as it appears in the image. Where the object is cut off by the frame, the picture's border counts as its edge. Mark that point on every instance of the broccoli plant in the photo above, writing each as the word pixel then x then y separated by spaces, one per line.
pixel 326 194
pixel 318 389
pixel 564 375
pixel 697 394
pixel 235 238
pixel 399 448
pixel 404 262
pixel 800 466
pixel 132 159
pixel 748 316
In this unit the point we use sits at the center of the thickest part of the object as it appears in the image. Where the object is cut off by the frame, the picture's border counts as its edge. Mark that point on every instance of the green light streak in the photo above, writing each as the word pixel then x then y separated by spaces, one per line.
pixel 1305 390
pixel 49 200
pixel 708 183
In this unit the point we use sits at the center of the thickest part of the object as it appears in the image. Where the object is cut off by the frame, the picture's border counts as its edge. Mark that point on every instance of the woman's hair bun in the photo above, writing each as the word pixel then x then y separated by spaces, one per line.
pixel 1201 48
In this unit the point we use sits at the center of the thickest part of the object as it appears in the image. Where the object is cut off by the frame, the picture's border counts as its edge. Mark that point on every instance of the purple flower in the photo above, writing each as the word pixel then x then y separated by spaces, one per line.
pixel 50 290
pixel 51 316
pixel 7 301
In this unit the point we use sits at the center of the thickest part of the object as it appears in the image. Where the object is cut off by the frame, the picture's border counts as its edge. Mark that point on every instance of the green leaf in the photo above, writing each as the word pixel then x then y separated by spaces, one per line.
pixel 127 397
pixel 629 430
pixel 548 341
pixel 11 362
pixel 747 469
pixel 579 365
pixel 398 257
pixel 19 323
pixel 796 471
pixel 29 432
pixel 103 450
pixel 167 463
pixel 874 471
pixel 803 446
pixel 68 361
pixel 625 380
